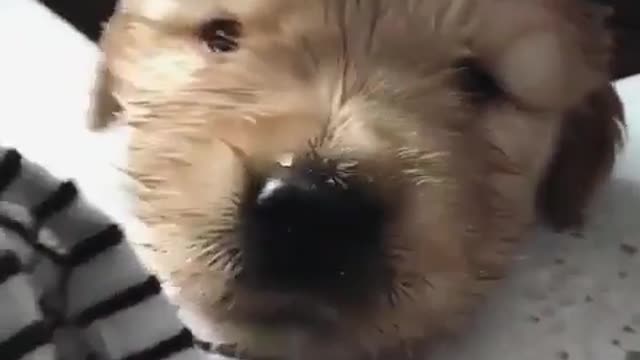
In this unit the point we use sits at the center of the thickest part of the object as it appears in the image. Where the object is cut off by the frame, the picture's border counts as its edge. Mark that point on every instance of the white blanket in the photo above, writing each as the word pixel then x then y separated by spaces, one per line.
pixel 567 298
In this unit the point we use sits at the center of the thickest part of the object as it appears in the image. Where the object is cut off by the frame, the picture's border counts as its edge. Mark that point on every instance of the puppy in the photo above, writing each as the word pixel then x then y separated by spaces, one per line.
pixel 330 179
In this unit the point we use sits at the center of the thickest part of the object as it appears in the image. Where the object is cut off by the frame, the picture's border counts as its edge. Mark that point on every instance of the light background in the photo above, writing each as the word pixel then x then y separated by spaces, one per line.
pixel 540 312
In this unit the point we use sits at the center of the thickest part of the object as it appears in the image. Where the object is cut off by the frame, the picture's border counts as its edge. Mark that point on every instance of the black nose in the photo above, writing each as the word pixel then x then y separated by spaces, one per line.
pixel 309 229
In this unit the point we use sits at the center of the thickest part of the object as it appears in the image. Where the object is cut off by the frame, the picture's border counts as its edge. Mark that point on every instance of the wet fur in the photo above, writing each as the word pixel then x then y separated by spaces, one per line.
pixel 371 84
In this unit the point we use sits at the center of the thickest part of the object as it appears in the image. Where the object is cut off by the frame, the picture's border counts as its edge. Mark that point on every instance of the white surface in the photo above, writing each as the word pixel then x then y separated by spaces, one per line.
pixel 46 74
pixel 45 77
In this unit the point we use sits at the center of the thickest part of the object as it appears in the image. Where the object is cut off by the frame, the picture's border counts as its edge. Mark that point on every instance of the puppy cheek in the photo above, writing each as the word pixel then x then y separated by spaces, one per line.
pixel 191 189
pixel 194 197
pixel 217 177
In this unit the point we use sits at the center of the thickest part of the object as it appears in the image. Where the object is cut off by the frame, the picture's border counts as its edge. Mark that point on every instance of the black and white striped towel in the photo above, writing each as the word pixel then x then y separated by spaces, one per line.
pixel 71 288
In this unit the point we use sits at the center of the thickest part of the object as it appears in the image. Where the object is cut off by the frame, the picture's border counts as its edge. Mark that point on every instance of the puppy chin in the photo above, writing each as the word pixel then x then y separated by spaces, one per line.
pixel 252 339
pixel 256 341
pixel 196 320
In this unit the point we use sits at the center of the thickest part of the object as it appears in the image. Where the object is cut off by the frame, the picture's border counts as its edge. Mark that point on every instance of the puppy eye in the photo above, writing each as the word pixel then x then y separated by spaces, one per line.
pixel 475 81
pixel 221 35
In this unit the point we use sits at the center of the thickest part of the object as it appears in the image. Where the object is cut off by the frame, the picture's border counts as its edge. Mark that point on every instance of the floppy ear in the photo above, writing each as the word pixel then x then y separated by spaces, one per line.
pixel 590 137
pixel 104 105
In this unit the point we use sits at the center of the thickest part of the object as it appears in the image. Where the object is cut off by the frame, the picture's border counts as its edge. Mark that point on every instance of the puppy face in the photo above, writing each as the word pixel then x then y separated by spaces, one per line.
pixel 331 174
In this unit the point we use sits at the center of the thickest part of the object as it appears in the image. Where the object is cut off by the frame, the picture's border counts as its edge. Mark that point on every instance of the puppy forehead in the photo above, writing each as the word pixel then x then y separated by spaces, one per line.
pixel 195 11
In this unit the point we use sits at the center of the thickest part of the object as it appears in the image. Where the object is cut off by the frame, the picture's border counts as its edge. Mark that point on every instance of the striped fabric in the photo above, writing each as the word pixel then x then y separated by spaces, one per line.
pixel 70 287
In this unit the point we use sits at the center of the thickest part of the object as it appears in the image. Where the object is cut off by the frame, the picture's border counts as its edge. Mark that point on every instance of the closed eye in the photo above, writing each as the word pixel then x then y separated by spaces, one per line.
pixel 476 82
pixel 221 35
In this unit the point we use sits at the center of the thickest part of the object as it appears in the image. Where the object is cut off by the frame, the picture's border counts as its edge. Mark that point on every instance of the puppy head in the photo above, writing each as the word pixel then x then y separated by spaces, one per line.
pixel 353 173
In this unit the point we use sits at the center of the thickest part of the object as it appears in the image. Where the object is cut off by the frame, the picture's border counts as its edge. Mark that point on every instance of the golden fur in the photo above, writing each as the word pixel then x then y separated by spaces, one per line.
pixel 372 84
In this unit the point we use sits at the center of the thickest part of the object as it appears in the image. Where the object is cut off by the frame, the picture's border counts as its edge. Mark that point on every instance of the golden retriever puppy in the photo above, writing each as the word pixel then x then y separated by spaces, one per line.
pixel 330 179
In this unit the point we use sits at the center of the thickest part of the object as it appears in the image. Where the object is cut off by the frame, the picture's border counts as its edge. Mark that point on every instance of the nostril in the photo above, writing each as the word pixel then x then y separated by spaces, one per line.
pixel 306 229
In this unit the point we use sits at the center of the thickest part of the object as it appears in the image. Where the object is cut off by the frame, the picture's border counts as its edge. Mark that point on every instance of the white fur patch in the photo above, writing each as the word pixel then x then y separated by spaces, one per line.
pixel 535 70
pixel 193 11
pixel 154 10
